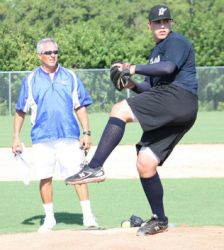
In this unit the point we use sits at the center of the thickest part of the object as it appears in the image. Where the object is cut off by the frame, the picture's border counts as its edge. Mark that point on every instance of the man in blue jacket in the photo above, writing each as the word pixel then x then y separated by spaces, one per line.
pixel 55 96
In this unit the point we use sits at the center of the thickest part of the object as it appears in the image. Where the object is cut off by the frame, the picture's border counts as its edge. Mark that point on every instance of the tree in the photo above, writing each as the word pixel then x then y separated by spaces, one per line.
pixel 93 33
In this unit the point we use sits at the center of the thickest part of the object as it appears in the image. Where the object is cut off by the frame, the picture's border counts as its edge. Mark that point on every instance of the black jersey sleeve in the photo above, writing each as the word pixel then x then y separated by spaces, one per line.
pixel 141 87
pixel 156 69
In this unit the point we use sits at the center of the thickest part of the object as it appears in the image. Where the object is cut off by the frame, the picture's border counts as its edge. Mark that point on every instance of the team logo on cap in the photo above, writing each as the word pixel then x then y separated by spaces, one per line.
pixel 162 11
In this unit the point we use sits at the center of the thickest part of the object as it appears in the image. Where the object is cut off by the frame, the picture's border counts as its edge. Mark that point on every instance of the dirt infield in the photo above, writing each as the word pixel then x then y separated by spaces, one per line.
pixel 181 238
pixel 186 161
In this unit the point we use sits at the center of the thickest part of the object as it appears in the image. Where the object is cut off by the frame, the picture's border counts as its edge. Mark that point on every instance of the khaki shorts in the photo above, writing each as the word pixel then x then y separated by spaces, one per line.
pixel 63 153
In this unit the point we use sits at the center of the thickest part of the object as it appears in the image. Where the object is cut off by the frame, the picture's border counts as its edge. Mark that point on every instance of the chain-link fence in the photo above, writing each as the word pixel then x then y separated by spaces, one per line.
pixel 97 82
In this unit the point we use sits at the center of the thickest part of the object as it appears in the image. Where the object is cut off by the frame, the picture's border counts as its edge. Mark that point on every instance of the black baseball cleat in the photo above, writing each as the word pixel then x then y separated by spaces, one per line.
pixel 153 226
pixel 87 175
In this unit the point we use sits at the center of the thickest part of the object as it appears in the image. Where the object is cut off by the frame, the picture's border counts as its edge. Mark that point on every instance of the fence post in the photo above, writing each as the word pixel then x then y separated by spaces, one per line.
pixel 10 96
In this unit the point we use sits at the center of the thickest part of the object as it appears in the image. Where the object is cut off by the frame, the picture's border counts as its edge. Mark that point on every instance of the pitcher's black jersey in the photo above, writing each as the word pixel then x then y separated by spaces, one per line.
pixel 178 50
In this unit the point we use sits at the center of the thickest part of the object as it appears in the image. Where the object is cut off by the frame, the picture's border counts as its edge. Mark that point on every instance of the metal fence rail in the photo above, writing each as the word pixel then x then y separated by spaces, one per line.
pixel 97 82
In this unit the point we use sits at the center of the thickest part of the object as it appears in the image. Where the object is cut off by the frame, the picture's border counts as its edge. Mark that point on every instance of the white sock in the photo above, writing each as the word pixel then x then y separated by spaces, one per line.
pixel 49 210
pixel 86 208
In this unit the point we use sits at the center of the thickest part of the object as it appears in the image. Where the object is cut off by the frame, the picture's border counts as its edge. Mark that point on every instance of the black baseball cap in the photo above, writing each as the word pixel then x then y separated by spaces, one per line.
pixel 159 12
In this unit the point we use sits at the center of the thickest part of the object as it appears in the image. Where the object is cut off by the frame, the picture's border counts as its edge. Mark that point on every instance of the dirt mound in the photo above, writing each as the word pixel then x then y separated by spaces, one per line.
pixel 179 238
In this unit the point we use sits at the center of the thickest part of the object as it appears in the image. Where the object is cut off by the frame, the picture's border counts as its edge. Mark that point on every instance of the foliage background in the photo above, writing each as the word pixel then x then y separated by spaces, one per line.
pixel 93 33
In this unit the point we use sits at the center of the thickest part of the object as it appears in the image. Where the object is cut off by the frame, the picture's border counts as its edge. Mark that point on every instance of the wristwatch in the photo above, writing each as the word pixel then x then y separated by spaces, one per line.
pixel 88 132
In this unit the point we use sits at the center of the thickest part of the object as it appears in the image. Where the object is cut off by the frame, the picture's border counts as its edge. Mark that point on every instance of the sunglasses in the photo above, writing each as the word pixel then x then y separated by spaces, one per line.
pixel 49 52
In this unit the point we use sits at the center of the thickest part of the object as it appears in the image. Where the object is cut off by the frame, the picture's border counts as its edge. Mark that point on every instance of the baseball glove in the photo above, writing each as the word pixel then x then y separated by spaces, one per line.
pixel 119 77
pixel 136 221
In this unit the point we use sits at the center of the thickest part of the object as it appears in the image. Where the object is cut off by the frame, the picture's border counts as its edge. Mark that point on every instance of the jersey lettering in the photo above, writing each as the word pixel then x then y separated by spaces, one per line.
pixel 155 60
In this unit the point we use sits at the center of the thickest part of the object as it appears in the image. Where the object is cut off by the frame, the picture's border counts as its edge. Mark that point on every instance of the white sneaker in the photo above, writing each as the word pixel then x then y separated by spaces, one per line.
pixel 90 221
pixel 47 225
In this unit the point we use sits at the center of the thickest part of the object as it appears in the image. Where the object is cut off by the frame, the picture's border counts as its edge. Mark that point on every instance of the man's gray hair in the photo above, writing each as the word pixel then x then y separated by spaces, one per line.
pixel 43 41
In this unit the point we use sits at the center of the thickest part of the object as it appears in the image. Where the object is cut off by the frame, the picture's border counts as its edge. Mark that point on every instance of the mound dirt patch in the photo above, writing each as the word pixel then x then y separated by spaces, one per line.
pixel 179 238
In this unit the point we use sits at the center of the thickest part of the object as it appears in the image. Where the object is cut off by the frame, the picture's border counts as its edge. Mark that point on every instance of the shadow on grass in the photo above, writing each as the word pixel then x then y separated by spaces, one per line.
pixel 65 218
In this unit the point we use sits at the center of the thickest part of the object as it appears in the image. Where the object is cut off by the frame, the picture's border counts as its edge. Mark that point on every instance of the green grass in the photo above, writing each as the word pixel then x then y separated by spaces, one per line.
pixel 192 202
pixel 208 129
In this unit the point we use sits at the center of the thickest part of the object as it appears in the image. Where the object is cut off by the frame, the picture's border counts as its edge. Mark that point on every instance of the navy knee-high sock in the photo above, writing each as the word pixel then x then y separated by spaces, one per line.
pixel 110 138
pixel 154 192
